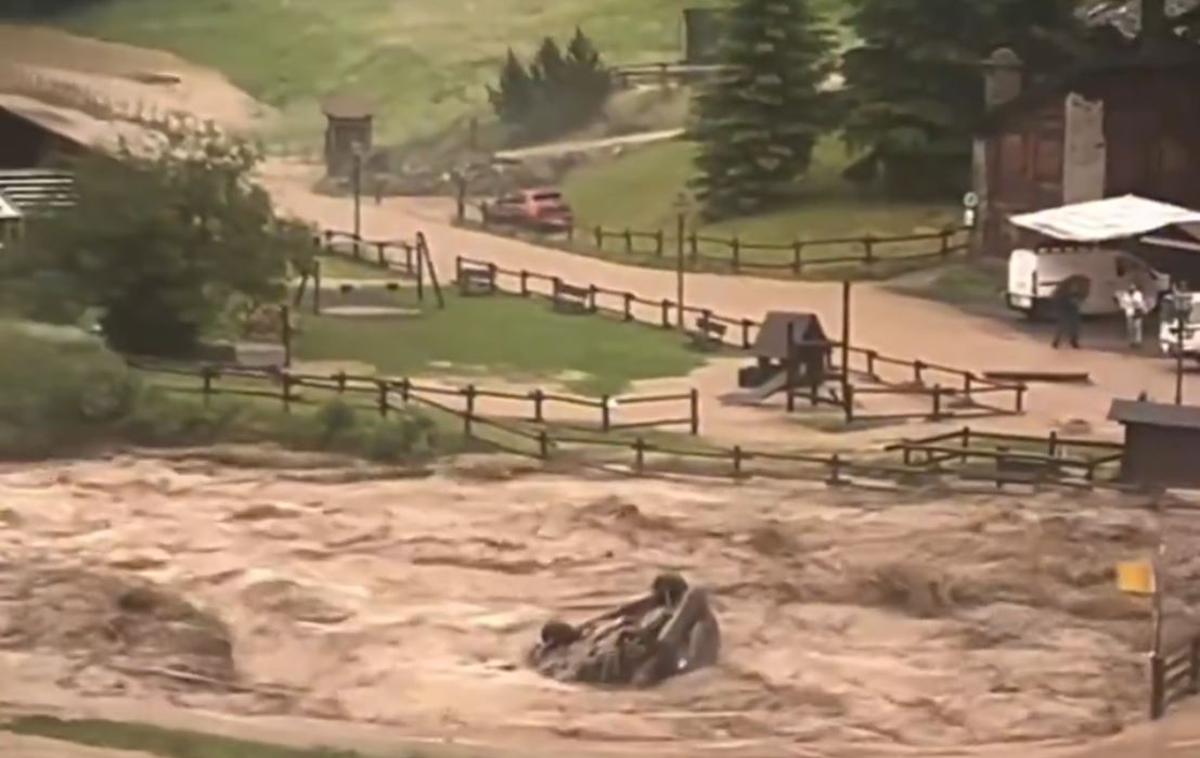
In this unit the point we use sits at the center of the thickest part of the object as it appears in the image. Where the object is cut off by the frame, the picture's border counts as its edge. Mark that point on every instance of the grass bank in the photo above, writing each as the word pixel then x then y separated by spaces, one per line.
pixel 519 340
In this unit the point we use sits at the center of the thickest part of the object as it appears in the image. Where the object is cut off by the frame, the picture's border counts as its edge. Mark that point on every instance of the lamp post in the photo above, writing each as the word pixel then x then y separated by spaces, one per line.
pixel 357 180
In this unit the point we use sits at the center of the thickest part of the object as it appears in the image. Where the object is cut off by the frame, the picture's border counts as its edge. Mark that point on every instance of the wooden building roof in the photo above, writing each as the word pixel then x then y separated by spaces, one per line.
pixel 772 337
pixel 1141 413
pixel 347 107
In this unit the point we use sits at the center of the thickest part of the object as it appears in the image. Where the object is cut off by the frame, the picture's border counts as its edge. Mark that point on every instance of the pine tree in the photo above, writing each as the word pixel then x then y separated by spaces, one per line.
pixel 914 89
pixel 514 97
pixel 588 79
pixel 757 125
pixel 549 68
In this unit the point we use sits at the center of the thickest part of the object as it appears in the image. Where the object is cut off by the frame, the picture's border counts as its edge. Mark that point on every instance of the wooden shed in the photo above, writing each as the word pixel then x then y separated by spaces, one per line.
pixel 349 130
pixel 1162 443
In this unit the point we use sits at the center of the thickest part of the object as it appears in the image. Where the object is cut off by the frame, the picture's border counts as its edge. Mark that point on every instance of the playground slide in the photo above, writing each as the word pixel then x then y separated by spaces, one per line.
pixel 759 394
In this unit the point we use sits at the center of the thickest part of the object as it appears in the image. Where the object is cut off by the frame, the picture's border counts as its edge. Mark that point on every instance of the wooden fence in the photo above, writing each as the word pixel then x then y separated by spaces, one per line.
pixel 664 73
pixel 286 386
pixel 964 393
pixel 416 263
pixel 548 443
pixel 1174 676
pixel 1052 457
pixel 738 255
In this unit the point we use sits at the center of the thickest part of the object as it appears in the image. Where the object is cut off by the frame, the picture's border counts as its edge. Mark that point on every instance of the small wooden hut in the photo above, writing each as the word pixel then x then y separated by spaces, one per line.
pixel 1161 442
pixel 349 131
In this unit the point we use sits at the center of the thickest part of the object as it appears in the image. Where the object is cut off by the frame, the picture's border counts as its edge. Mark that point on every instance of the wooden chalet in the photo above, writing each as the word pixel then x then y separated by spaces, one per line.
pixel 1126 125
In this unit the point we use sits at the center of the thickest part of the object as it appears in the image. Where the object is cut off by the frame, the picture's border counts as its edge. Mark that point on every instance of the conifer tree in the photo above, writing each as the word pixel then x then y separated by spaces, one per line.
pixel 513 97
pixel 758 123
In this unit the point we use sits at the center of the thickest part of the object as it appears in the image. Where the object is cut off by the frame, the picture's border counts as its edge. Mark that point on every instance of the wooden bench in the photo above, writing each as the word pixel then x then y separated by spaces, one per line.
pixel 476 281
pixel 571 299
pixel 709 334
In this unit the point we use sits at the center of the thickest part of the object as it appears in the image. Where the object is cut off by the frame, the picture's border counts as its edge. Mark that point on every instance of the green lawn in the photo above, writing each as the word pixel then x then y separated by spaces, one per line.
pixel 639 189
pixel 340 267
pixel 523 340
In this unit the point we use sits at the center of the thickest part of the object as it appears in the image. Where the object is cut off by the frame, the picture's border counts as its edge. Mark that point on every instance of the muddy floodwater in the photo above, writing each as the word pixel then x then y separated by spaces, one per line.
pixel 854 623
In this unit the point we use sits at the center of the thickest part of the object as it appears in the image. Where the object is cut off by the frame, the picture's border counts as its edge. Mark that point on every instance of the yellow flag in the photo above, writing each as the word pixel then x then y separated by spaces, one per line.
pixel 1136 577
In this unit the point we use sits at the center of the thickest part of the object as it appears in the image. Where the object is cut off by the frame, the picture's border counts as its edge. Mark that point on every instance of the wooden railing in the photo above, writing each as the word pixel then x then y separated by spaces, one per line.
pixel 962 396
pixel 416 263
pixel 684 406
pixel 739 255
pixel 1174 676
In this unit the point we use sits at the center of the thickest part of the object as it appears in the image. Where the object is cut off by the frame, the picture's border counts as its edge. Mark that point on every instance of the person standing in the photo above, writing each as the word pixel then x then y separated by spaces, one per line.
pixel 1068 301
pixel 1133 304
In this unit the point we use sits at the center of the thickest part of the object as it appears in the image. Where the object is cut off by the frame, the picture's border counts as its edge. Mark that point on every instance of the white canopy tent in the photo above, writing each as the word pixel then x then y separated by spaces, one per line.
pixel 1115 218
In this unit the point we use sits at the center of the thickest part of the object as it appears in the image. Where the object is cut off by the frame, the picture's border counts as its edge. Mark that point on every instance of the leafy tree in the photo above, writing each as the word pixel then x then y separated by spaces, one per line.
pixel 162 245
pixel 757 125
pixel 914 89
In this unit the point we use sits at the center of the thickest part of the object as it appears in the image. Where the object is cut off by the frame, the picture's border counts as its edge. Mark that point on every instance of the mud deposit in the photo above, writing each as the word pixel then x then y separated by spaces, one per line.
pixel 853 623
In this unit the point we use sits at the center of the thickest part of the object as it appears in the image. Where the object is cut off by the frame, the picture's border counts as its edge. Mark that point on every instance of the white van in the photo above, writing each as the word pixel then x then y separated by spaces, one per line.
pixel 1033 276
pixel 1168 335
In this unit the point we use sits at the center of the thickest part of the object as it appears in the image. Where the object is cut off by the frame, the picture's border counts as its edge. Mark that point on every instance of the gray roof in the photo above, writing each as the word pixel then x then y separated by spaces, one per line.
pixel 1155 414
pixel 772 337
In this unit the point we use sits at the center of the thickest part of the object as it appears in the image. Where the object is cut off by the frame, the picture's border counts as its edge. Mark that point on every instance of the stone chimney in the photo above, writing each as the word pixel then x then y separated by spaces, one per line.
pixel 1004 74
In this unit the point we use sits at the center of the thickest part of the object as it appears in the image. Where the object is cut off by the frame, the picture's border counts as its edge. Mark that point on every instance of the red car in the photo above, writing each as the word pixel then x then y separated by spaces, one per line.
pixel 542 208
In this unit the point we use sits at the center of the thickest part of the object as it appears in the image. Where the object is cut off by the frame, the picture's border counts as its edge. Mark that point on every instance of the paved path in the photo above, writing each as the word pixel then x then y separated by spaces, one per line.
pixel 893 323
pixel 584 146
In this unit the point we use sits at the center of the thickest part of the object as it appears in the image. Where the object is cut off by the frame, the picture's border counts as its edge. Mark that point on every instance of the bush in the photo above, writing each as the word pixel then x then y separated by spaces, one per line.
pixel 59 389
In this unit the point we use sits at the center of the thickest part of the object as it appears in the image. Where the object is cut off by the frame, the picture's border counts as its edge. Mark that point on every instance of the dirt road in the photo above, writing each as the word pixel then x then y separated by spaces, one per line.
pixel 893 323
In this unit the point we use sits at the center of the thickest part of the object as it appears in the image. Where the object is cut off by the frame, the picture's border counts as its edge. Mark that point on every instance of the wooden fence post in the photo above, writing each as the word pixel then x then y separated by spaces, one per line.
pixel 592 298
pixel 469 391
pixel 628 241
pixel 945 243
pixel 937 403
pixel 919 373
pixel 797 258
pixel 1157 687
pixel 317 287
pixel 405 390
pixel 746 324
pixel 835 470
pixel 539 398
pixel 968 382
pixel 872 356
pixel 286 382
pixel 382 259
pixel 1052 444
pixel 628 297
pixel 340 378
pixel 605 413
pixel 543 445
pixel 382 387
pixel 868 249
pixel 694 399
pixel 557 286
pixel 1194 666
pixel 666 314
pixel 1020 399
pixel 966 444
pixel 285 326
pixel 658 243
pixel 848 402
pixel 408 259
pixel 736 250
pixel 599 234
pixel 694 242
pixel 493 277
pixel 737 461
pixel 207 374
pixel 524 283
pixel 639 455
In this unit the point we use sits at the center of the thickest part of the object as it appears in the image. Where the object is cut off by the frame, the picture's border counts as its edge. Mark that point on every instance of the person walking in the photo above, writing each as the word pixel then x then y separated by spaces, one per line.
pixel 1133 304
pixel 1068 300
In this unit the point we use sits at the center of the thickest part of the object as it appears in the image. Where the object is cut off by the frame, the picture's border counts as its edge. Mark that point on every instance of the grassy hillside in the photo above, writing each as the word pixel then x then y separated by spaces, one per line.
pixel 426 60
pixel 639 189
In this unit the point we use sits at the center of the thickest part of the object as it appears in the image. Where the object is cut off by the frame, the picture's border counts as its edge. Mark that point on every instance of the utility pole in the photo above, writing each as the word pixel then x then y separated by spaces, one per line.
pixel 846 340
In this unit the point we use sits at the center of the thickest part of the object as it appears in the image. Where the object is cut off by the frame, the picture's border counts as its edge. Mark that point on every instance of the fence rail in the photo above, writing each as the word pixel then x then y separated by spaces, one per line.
pixel 738 255
pixel 683 408
pixel 964 388
pixel 1174 676
pixel 417 262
